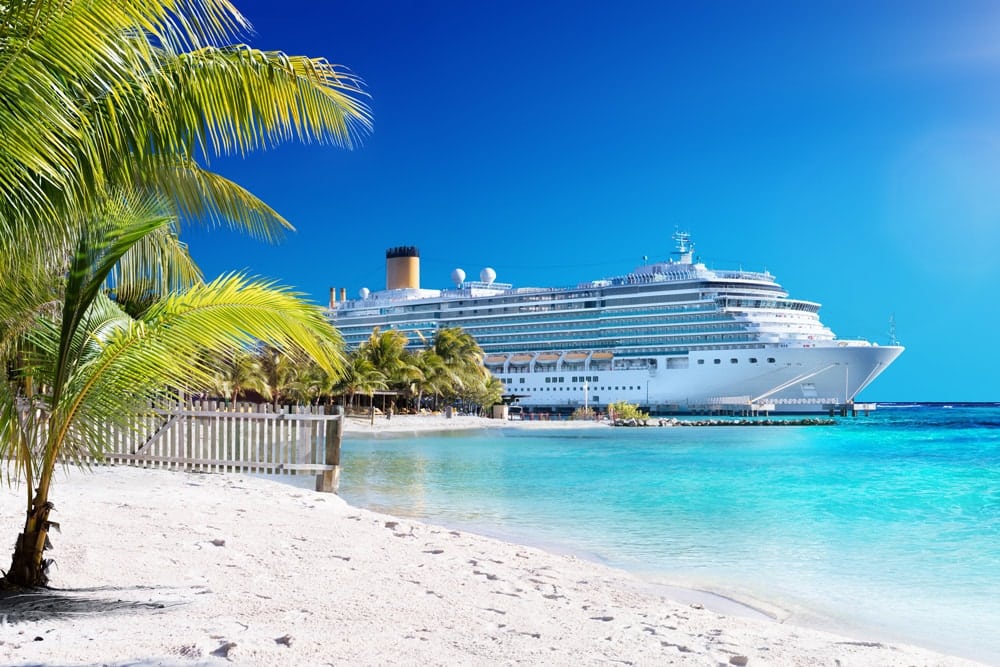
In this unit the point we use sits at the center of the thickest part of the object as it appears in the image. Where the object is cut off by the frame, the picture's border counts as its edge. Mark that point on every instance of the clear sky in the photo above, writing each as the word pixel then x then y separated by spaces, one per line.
pixel 850 148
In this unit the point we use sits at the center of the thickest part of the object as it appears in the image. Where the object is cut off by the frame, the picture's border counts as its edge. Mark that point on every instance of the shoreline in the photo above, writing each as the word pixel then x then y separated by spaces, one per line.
pixel 355 425
pixel 730 601
pixel 157 567
pixel 361 424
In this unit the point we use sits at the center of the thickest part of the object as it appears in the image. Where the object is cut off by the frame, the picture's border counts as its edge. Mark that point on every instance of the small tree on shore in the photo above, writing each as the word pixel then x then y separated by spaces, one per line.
pixel 626 410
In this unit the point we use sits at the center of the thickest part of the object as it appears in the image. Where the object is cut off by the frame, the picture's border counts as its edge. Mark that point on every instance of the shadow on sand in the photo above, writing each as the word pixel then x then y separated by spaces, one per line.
pixel 30 605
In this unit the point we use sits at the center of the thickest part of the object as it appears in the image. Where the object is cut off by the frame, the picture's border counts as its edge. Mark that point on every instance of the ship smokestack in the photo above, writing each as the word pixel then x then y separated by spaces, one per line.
pixel 343 294
pixel 402 268
pixel 332 292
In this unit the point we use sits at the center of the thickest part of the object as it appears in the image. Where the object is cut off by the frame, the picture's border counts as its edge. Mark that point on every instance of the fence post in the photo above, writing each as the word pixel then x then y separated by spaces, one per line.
pixel 328 481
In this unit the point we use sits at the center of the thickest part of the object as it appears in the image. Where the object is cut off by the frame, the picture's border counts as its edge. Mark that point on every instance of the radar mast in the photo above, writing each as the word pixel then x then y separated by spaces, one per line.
pixel 685 248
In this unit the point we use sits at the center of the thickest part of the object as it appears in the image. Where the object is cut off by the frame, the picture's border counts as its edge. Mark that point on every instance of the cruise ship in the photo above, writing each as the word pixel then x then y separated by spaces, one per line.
pixel 672 337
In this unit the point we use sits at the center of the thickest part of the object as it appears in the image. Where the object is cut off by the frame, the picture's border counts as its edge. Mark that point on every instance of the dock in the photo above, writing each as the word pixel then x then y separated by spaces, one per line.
pixel 852 408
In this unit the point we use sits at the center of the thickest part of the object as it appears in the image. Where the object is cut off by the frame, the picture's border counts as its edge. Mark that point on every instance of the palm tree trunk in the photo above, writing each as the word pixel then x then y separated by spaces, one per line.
pixel 27 567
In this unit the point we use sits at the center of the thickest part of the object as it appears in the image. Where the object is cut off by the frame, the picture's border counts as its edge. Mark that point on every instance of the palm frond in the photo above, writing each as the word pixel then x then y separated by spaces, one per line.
pixel 217 101
pixel 207 198
pixel 56 56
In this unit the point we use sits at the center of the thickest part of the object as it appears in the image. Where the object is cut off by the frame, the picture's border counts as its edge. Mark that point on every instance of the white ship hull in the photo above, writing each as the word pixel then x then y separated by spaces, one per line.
pixel 800 380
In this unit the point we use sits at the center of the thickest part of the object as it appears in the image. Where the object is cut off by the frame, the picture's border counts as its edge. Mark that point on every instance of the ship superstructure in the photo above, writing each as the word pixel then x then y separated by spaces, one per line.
pixel 671 336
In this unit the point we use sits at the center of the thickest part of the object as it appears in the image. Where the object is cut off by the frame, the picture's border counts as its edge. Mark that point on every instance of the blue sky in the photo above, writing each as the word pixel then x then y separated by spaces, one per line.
pixel 850 148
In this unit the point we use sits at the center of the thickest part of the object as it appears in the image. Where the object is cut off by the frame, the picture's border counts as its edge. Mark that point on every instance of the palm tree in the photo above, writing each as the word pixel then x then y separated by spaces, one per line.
pixel 101 308
pixel 311 385
pixel 484 394
pixel 235 372
pixel 433 375
pixel 280 371
pixel 462 358
pixel 386 350
pixel 360 376
pixel 100 365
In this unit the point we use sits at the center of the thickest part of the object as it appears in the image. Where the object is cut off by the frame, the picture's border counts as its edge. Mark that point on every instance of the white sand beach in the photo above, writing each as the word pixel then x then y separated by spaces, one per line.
pixel 170 568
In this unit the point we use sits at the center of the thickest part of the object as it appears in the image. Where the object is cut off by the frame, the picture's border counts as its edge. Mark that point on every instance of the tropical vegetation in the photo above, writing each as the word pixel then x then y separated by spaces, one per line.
pixel 625 410
pixel 109 109
pixel 443 371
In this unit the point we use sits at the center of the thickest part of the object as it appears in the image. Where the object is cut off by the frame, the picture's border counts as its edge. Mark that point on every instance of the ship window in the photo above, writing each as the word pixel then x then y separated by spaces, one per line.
pixel 597 399
pixel 595 379
pixel 717 361
pixel 548 380
pixel 701 361
pixel 522 380
pixel 562 379
pixel 734 360
pixel 574 378
pixel 753 360
pixel 770 360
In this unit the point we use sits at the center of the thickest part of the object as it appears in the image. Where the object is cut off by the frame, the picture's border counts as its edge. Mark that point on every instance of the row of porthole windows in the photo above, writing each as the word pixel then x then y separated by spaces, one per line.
pixel 575 379
pixel 734 360
pixel 580 388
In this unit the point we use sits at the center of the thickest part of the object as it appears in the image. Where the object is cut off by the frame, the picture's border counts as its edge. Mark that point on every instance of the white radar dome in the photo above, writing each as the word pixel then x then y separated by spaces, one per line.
pixel 488 275
pixel 458 277
pixel 364 292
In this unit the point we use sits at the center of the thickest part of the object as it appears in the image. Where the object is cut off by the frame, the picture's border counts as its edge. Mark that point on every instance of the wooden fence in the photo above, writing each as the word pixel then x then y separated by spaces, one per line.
pixel 246 437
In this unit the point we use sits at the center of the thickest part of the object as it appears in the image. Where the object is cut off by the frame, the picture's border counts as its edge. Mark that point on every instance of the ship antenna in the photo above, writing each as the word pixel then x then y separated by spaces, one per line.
pixel 892 330
pixel 685 249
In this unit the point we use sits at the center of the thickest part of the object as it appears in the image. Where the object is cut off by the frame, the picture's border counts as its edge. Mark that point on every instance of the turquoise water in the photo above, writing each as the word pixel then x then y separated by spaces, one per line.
pixel 885 526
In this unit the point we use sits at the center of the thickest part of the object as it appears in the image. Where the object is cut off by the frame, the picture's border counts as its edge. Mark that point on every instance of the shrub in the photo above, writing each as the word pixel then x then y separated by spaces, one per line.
pixel 626 410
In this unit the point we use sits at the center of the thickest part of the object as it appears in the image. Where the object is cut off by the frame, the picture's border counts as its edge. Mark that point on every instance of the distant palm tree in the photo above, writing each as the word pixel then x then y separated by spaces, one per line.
pixel 280 370
pixel 434 378
pixel 386 350
pixel 462 358
pixel 485 394
pixel 360 376
pixel 235 372
pixel 312 384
